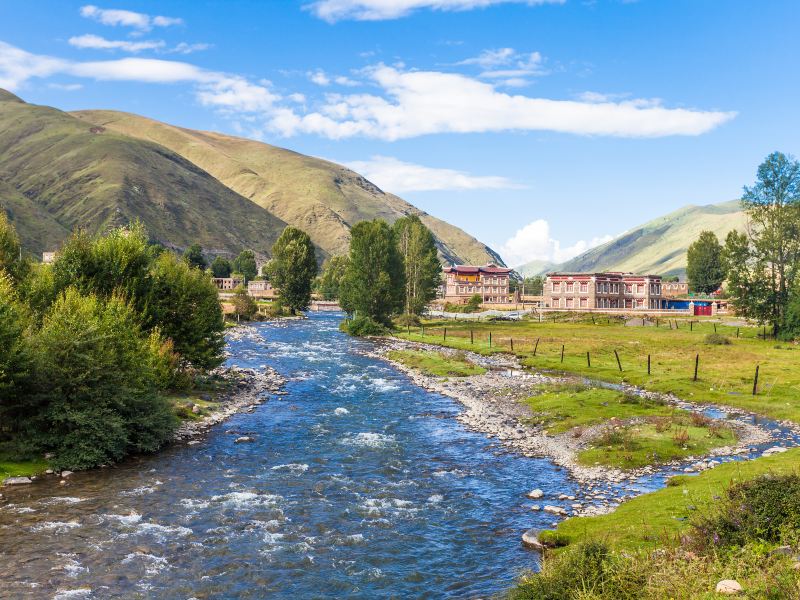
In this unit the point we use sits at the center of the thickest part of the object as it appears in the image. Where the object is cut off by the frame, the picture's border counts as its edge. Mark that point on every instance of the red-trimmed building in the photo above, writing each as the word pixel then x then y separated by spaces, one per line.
pixel 584 291
pixel 464 281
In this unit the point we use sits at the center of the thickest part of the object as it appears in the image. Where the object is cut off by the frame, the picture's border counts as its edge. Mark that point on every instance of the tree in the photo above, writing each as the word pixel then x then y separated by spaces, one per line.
pixel 327 284
pixel 762 265
pixel 293 268
pixel 14 358
pixel 194 257
pixel 422 272
pixel 373 284
pixel 11 259
pixel 704 268
pixel 221 267
pixel 243 304
pixel 245 264
pixel 533 286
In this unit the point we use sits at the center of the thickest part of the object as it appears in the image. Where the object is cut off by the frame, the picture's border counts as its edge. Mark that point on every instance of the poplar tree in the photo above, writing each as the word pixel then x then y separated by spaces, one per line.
pixel 704 267
pixel 293 268
pixel 421 268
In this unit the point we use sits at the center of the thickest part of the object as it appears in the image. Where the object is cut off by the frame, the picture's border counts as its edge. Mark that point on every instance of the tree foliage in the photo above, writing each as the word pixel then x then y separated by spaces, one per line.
pixel 194 257
pixel 245 264
pixel 422 272
pixel 14 357
pixel 373 285
pixel 11 260
pixel 221 267
pixel 293 268
pixel 328 283
pixel 243 304
pixel 762 265
pixel 704 269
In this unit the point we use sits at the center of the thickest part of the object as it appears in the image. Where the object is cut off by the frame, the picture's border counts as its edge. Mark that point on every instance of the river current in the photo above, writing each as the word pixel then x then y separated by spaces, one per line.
pixel 358 484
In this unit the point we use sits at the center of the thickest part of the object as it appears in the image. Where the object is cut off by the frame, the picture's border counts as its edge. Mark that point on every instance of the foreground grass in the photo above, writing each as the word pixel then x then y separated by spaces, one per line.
pixel 725 373
pixel 11 466
pixel 436 364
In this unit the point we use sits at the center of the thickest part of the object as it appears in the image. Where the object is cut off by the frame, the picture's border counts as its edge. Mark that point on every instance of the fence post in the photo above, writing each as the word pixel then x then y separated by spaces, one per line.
pixel 562 353
pixel 512 344
pixel 471 338
pixel 408 329
pixel 536 347
pixel 619 364
pixel 490 339
pixel 423 330
pixel 755 382
pixel 444 335
pixel 715 328
pixel 737 332
pixel 588 359
pixel 648 364
pixel 696 365
pixel 691 325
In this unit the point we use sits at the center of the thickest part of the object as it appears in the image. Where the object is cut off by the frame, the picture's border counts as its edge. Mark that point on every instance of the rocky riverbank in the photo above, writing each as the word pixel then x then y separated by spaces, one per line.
pixel 493 406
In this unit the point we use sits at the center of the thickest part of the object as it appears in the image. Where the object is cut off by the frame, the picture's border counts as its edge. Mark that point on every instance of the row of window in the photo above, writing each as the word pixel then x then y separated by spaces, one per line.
pixel 603 303
pixel 478 289
pixel 605 288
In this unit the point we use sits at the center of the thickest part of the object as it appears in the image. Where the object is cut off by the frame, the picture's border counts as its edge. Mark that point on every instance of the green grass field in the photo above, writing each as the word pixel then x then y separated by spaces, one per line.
pixel 436 364
pixel 10 466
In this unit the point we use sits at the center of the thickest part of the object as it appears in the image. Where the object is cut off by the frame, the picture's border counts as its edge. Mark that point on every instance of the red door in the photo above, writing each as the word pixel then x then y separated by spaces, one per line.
pixel 702 310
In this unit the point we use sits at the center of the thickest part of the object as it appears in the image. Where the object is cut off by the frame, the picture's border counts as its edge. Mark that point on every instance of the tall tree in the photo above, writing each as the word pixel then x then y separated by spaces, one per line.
pixel 328 283
pixel 221 267
pixel 293 268
pixel 194 257
pixel 762 265
pixel 422 271
pixel 11 259
pixel 245 264
pixel 373 284
pixel 704 267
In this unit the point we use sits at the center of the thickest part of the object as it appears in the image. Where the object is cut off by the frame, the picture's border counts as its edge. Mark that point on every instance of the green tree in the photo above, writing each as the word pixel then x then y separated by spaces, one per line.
pixel 762 265
pixel 221 267
pixel 245 264
pixel 293 268
pixel 533 286
pixel 183 304
pixel 327 284
pixel 11 259
pixel 704 266
pixel 194 257
pixel 422 271
pixel 243 304
pixel 373 285
pixel 14 357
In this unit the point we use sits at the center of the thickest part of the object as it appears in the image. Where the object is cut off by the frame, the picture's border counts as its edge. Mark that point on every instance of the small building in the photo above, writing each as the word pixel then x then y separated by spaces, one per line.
pixel 589 291
pixel 490 282
pixel 675 289
pixel 227 284
pixel 48 258
pixel 261 288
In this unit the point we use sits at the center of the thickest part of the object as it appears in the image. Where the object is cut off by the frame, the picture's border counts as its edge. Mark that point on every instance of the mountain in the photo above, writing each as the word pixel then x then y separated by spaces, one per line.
pixel 659 246
pixel 535 267
pixel 320 197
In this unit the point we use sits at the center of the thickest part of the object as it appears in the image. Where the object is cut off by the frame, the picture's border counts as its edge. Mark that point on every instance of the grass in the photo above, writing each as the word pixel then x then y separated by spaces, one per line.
pixel 437 364
pixel 725 374
pixel 633 446
pixel 12 467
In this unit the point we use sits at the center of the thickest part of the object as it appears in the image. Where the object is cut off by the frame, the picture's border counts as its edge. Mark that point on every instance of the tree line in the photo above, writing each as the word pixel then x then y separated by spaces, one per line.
pixel 759 266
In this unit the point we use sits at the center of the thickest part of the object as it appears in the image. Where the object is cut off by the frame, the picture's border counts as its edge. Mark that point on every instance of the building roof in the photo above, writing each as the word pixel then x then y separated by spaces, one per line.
pixel 605 274
pixel 471 269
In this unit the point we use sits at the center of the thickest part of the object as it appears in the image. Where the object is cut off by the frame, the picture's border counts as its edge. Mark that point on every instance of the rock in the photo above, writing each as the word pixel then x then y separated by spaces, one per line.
pixel 782 550
pixel 242 440
pixel 530 539
pixel 563 497
pixel 773 450
pixel 536 494
pixel 729 587
pixel 196 409
pixel 796 566
pixel 193 442
pixel 17 481
pixel 554 510
pixel 49 471
pixel 536 507
pixel 65 474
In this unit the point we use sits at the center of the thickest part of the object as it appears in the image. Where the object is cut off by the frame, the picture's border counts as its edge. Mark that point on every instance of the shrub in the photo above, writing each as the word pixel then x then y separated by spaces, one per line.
pixel 362 326
pixel 717 339
pixel 243 304
pixel 407 320
pixel 700 420
pixel 680 437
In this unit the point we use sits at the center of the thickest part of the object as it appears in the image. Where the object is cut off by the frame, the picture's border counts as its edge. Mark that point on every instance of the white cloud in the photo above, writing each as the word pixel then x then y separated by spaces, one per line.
pixel 398 177
pixel 379 10
pixel 66 87
pixel 17 66
pixel 127 18
pixel 415 103
pixel 320 77
pixel 186 48
pixel 533 242
pixel 90 41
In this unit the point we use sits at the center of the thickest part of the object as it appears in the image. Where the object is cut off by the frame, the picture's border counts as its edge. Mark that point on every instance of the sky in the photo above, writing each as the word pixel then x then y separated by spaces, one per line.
pixel 541 127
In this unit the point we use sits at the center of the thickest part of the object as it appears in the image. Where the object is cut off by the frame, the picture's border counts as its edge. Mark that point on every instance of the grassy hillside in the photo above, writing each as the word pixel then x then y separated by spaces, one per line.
pixel 323 198
pixel 657 247
pixel 58 173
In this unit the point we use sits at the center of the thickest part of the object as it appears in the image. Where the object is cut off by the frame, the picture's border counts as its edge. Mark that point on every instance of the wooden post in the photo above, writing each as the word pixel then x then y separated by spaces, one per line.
pixel 562 353
pixel 648 364
pixel 656 322
pixel 490 339
pixel 696 365
pixel 444 334
pixel 536 347
pixel 423 330
pixel 593 323
pixel 642 321
pixel 471 338
pixel 619 364
pixel 691 325
pixel 512 344
pixel 408 329
pixel 755 382
pixel 715 328
pixel 588 359
pixel 737 332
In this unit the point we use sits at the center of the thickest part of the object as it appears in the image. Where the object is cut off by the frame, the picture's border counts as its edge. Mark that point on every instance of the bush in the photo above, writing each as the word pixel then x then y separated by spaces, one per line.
pixel 362 326
pixel 407 320
pixel 717 339
pixel 243 304
pixel 763 509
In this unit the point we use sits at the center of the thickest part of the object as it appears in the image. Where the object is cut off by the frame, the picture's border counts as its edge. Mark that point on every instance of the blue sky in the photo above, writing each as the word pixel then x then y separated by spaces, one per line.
pixel 539 126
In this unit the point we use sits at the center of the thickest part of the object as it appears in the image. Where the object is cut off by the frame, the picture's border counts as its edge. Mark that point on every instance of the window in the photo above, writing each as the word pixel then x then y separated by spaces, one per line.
pixel 554 286
pixel 570 287
pixel 584 287
pixel 641 288
pixel 556 302
pixel 570 302
pixel 584 303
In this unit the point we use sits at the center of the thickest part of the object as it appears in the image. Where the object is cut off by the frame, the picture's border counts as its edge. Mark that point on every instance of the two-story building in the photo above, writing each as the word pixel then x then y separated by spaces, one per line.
pixel 585 291
pixel 228 284
pixel 261 288
pixel 490 282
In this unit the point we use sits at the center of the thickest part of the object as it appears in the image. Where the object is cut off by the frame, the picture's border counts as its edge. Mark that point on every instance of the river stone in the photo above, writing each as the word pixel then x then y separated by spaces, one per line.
pixel 536 494
pixel 17 481
pixel 536 507
pixel 530 539
pixel 65 474
pixel 196 409
pixel 554 510
pixel 773 450
pixel 243 439
pixel 729 587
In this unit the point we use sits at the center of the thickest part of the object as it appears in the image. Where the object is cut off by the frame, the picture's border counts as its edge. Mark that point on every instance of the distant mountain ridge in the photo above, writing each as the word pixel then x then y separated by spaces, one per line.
pixel 657 247
pixel 99 169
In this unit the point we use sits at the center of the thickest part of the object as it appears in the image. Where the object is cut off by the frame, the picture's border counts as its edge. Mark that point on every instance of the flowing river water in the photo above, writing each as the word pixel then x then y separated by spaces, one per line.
pixel 358 484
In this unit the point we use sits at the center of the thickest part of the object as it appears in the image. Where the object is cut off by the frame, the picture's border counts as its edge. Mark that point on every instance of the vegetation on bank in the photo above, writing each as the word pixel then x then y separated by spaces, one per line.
pixel 437 364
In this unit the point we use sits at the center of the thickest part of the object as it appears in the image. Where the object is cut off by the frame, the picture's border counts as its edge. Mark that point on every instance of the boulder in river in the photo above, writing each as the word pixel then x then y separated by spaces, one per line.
pixel 530 539
pixel 243 439
pixel 17 481
pixel 773 450
pixel 536 494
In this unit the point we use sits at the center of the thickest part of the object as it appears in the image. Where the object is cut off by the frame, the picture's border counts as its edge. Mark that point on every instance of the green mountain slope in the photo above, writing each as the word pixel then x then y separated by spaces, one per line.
pixel 660 246
pixel 58 173
pixel 323 198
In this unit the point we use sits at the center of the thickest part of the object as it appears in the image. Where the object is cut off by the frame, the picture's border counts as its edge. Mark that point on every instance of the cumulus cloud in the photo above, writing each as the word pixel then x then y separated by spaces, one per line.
pixel 320 77
pixel 398 177
pixel 380 10
pixel 96 42
pixel 534 242
pixel 415 103
pixel 127 18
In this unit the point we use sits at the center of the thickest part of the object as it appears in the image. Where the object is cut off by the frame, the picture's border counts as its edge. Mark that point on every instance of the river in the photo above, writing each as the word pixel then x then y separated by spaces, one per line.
pixel 357 484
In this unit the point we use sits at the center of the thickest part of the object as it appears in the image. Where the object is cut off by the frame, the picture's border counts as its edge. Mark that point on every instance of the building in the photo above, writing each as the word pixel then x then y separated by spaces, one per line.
pixel 261 288
pixel 48 258
pixel 489 282
pixel 675 289
pixel 227 284
pixel 586 291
